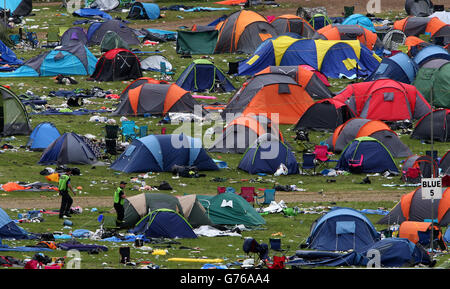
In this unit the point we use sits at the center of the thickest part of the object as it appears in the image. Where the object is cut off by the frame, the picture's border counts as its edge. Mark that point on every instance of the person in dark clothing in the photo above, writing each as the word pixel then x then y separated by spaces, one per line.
pixel 119 197
pixel 66 201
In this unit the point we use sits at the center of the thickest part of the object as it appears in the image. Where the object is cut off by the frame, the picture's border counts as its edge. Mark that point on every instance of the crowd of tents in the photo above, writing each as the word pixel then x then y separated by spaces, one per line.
pixel 400 75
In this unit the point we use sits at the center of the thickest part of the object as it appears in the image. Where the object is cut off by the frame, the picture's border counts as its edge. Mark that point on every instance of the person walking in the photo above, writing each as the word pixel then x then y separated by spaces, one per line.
pixel 119 197
pixel 66 201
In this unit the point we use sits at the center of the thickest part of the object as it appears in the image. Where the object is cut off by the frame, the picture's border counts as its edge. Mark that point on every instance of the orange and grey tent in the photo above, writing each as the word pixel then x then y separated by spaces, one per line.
pixel 243 31
pixel 240 133
pixel 349 32
pixel 359 127
pixel 415 44
pixel 294 24
pixel 306 78
pixel 139 82
pixel 424 163
pixel 412 207
pixel 278 96
pixel 415 26
pixel 156 99
pixel 422 233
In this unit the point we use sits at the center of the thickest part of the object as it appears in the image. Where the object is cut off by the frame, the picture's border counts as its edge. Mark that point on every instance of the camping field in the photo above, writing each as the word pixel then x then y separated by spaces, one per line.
pixel 96 184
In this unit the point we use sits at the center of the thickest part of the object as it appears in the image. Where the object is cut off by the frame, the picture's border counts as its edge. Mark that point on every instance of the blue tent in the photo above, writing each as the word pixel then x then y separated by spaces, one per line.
pixel 164 223
pixel 398 67
pixel 91 13
pixel 361 20
pixel 73 59
pixel 342 229
pixel 447 235
pixel 7 56
pixel 335 59
pixel 141 10
pixel 42 136
pixel 431 52
pixel 9 229
pixel 159 153
pixel 371 155
pixel 266 156
pixel 203 75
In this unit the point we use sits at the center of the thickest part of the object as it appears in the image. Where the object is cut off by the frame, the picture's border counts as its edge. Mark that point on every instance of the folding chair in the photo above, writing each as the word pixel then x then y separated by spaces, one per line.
pixel 111 131
pixel 52 39
pixel 128 130
pixel 348 11
pixel 303 142
pixel 268 197
pixel 221 190
pixel 355 166
pixel 248 193
pixel 308 162
pixel 322 156
pixel 143 131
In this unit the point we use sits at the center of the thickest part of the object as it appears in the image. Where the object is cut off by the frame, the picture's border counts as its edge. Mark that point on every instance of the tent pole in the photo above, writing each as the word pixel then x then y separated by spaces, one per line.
pixel 432 169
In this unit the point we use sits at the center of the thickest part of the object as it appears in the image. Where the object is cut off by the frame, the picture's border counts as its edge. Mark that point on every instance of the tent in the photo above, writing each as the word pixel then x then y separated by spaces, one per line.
pixel 384 99
pixel 429 53
pixel 17 7
pixel 164 223
pixel 230 209
pixel 153 63
pixel 294 24
pixel 444 16
pixel 141 10
pixel 435 76
pixel 243 31
pixel 138 82
pixel 159 153
pixel 415 26
pixel 271 94
pixel 72 59
pixel 13 114
pixel 415 44
pixel 423 163
pixel 156 99
pixel 42 136
pixel 73 34
pixel 203 75
pixel 361 20
pixel 104 5
pixel 359 127
pixel 193 211
pixel 308 79
pixel 334 58
pixel 112 40
pixel 349 32
pixel 324 115
pixel 444 163
pixel 138 206
pixel 319 20
pixel 97 31
pixel 393 39
pixel 91 13
pixel 412 207
pixel 422 8
pixel 69 148
pixel 196 42
pixel 421 233
pixel 8 59
pixel 266 155
pixel 398 67
pixel 241 132
pixel 116 65
pixel 342 229
pixel 366 155
pixel 441 126
pixel 9 229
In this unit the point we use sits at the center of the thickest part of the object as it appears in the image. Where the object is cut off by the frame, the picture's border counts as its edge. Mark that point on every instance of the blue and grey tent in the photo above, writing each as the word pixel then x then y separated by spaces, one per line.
pixel 429 53
pixel 342 229
pixel 398 67
pixel 91 13
pixel 140 10
pixel 164 223
pixel 266 155
pixel 9 229
pixel 159 153
pixel 42 136
pixel 17 7
pixel 69 148
pixel 73 59
pixel 7 56
pixel 359 19
pixel 366 155
pixel 203 75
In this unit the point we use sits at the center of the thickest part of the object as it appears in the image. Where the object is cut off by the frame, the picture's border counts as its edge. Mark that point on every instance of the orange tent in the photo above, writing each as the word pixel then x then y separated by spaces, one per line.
pixel 415 231
pixel 348 32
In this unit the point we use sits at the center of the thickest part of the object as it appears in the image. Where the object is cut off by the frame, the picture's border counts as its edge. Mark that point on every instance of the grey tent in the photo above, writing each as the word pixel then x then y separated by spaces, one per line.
pixel 421 8
pixel 97 31
pixel 359 127
pixel 193 211
pixel 154 62
pixel 393 39
pixel 112 40
pixel 444 164
pixel 13 115
pixel 441 126
pixel 105 5
pixel 69 148
pixel 74 35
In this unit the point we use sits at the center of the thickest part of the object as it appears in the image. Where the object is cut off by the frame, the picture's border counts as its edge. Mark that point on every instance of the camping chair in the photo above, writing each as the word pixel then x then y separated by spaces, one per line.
pixel 259 252
pixel 322 156
pixel 302 138
pixel 221 190
pixel 111 136
pixel 355 166
pixel 111 131
pixel 52 39
pixel 412 175
pixel 128 130
pixel 268 197
pixel 348 10
pixel 248 193
pixel 166 75
pixel 143 131
pixel 308 162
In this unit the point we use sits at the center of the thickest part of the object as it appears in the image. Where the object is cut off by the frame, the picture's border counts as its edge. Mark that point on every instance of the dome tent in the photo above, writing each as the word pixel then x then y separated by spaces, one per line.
pixel 441 126
pixel 116 65
pixel 97 31
pixel 9 229
pixel 42 136
pixel 398 67
pixel 14 117
pixel 294 24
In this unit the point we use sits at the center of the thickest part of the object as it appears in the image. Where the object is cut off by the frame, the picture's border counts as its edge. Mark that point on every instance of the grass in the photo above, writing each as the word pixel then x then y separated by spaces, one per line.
pixel 21 165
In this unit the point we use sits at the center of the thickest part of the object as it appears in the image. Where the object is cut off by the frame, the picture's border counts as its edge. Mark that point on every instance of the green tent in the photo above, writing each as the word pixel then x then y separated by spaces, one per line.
pixel 111 40
pixel 196 42
pixel 436 76
pixel 13 115
pixel 230 209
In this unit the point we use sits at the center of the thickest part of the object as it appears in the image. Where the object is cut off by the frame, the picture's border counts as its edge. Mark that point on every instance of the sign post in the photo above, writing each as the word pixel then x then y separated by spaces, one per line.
pixel 432 189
